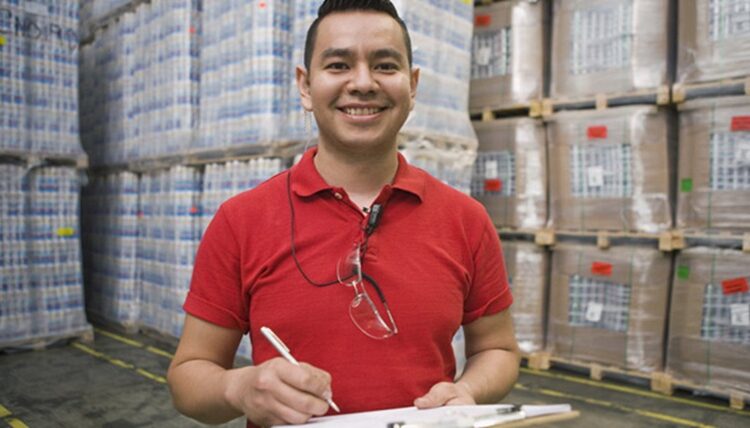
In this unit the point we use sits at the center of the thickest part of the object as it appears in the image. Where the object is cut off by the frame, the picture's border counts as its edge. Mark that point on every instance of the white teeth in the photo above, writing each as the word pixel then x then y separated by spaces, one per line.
pixel 361 111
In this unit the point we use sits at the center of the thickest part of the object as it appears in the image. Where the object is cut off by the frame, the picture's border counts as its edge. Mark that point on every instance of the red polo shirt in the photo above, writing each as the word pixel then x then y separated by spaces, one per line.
pixel 435 255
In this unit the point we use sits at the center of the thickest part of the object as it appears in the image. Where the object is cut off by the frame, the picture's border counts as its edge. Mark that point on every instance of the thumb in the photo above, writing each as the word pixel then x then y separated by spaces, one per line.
pixel 438 395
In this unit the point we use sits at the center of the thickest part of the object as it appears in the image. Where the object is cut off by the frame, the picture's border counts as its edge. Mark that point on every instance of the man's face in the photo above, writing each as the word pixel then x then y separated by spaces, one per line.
pixel 359 86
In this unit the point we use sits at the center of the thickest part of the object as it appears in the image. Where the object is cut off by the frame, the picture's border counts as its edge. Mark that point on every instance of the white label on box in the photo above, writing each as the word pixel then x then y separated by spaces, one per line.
pixel 740 314
pixel 483 56
pixel 490 169
pixel 742 153
pixel 594 311
pixel 595 175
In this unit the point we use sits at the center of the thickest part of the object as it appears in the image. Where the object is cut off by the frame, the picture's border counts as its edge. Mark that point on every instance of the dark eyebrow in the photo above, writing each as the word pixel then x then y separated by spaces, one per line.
pixel 347 53
pixel 336 52
pixel 388 53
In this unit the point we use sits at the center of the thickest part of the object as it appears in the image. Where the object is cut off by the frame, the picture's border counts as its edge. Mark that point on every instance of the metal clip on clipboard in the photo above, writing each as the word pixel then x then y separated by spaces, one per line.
pixel 500 416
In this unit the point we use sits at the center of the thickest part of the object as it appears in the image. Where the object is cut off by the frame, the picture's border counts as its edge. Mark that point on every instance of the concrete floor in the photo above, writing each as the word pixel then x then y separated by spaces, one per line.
pixel 118 382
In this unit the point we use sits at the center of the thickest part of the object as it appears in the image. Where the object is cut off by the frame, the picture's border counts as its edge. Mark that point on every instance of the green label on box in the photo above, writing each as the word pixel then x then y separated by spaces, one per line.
pixel 686 185
pixel 683 272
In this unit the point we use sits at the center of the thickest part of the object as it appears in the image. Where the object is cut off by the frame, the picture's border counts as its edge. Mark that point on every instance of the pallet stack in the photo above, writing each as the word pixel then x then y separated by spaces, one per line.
pixel 41 287
pixel 645 152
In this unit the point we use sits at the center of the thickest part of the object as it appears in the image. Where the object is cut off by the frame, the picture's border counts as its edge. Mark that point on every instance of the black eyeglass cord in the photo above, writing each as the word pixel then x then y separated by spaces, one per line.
pixel 371 226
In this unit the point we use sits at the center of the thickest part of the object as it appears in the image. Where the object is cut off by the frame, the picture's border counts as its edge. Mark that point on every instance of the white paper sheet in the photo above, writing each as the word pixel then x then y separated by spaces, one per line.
pixel 449 416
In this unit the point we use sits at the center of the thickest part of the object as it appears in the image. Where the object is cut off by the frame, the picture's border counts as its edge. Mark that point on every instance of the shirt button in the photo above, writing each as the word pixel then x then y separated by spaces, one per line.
pixel 337 195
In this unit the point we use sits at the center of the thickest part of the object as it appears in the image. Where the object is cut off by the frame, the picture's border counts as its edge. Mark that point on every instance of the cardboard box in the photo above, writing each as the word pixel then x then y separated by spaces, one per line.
pixel 714 164
pixel 609 306
pixel 526 264
pixel 709 326
pixel 609 46
pixel 713 41
pixel 508 60
pixel 609 170
pixel 510 173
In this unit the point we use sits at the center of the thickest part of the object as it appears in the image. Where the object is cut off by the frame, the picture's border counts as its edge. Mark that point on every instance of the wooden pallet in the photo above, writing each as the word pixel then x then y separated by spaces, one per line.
pixel 85 335
pixel 531 109
pixel 657 381
pixel 682 92
pixel 670 240
pixel 33 160
pixel 740 240
pixel 660 96
pixel 128 327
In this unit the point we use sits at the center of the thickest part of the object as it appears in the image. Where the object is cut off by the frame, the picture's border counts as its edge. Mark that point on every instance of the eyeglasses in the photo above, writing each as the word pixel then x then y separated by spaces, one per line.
pixel 363 312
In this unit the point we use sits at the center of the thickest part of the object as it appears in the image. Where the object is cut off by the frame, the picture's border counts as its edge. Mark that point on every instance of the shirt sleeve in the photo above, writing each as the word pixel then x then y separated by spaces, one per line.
pixel 215 292
pixel 489 292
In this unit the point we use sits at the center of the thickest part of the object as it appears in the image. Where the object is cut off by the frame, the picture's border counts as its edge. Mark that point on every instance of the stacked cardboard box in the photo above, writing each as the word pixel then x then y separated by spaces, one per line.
pixel 510 173
pixel 508 57
pixel 609 46
pixel 609 306
pixel 709 325
pixel 527 264
pixel 714 164
pixel 713 40
pixel 610 170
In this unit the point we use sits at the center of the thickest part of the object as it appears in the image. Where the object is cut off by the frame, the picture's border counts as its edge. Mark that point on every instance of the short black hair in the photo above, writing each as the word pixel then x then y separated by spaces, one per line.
pixel 331 6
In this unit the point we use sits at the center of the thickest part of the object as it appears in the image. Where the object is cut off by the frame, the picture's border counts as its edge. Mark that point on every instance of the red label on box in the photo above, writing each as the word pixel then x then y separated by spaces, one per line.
pixel 493 185
pixel 735 285
pixel 740 123
pixel 482 20
pixel 594 132
pixel 601 268
pixel 193 210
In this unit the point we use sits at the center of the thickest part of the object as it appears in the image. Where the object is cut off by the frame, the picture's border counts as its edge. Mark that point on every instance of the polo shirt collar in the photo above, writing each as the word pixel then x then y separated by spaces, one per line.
pixel 306 181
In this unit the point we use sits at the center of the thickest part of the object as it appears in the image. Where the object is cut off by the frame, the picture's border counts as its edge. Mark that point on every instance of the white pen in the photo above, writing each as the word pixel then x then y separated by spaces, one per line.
pixel 284 351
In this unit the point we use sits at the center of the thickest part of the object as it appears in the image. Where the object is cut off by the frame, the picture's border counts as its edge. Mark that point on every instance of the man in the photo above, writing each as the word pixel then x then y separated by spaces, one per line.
pixel 307 252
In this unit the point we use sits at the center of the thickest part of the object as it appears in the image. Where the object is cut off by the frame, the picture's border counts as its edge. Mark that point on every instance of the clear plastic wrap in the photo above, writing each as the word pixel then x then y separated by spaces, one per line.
pixel 510 173
pixel 709 325
pixel 609 170
pixel 713 40
pixel 609 46
pixel 714 164
pixel 526 264
pixel 609 306
pixel 39 77
pixel 110 219
pixel 507 65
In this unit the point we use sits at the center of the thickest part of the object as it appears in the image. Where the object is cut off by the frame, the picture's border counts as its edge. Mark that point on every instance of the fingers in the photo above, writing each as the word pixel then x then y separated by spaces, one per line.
pixel 444 394
pixel 284 393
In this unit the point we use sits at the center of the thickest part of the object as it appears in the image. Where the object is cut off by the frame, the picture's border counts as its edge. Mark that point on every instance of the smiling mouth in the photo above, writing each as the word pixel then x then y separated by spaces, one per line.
pixel 359 111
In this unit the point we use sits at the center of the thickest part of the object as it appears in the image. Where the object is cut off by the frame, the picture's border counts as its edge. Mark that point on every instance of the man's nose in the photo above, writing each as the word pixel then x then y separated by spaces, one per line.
pixel 363 81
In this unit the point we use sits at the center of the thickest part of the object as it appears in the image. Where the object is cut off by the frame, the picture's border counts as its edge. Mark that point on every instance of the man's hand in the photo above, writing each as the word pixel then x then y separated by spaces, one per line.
pixel 445 394
pixel 278 392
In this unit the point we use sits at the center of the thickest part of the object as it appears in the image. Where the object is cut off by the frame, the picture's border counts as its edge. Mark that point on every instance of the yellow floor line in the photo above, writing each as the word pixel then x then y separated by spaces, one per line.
pixel 4 411
pixel 634 391
pixel 118 362
pixel 119 338
pixel 16 423
pixel 134 343
pixel 609 404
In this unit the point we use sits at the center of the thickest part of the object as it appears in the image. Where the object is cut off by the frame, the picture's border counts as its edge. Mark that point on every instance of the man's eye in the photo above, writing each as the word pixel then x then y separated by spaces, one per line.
pixel 336 66
pixel 388 66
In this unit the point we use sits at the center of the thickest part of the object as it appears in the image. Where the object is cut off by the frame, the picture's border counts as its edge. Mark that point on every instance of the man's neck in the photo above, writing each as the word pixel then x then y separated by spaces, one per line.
pixel 361 176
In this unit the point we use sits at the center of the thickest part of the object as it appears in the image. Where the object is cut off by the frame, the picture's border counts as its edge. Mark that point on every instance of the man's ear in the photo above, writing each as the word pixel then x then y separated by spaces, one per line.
pixel 303 84
pixel 414 80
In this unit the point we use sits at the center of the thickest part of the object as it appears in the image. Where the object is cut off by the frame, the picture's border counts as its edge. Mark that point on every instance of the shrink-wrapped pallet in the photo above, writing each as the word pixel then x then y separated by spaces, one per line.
pixel 713 40
pixel 609 170
pixel 507 62
pixel 510 174
pixel 526 264
pixel 609 46
pixel 709 325
pixel 714 164
pixel 609 306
